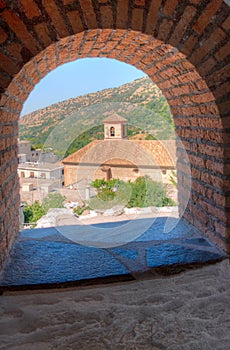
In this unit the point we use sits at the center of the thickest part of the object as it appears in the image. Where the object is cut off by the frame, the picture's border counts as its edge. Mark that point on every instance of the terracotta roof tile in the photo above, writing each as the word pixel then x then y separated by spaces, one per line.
pixel 114 118
pixel 163 152
pixel 76 156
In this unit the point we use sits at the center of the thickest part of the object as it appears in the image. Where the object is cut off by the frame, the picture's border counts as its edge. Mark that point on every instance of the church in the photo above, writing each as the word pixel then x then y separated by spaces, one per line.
pixel 116 157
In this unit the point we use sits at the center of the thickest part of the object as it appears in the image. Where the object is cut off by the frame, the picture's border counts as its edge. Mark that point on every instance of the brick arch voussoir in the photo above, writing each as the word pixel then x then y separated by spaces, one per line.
pixel 182 45
pixel 192 103
pixel 166 66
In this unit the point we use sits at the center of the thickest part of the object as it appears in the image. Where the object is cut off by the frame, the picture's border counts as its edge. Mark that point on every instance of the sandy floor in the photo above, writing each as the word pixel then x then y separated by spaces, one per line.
pixel 183 312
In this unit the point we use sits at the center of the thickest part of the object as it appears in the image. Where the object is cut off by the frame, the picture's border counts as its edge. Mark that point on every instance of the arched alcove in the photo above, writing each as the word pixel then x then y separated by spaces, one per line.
pixel 182 46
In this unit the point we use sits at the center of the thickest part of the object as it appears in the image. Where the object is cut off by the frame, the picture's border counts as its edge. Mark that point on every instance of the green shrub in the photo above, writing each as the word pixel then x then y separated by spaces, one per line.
pixel 173 178
pixel 150 137
pixel 146 193
pixel 155 194
pixel 143 192
pixel 79 210
pixel 28 214
pixel 98 183
pixel 53 200
pixel 32 213
pixel 110 193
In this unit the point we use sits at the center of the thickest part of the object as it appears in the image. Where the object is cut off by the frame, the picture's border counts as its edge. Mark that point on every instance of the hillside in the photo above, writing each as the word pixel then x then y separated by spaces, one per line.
pixel 57 126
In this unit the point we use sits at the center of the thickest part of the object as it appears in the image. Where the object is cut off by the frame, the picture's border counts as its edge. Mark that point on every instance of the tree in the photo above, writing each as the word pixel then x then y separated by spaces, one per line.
pixel 34 212
pixel 143 192
pixel 110 193
pixel 28 213
pixel 53 200
pixel 146 192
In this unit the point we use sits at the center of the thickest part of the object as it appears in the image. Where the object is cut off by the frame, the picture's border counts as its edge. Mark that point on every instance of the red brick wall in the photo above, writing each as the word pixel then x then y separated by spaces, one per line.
pixel 182 45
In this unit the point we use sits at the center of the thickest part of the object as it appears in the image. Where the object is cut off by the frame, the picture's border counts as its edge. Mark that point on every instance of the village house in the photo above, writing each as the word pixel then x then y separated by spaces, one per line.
pixel 47 171
pixel 27 154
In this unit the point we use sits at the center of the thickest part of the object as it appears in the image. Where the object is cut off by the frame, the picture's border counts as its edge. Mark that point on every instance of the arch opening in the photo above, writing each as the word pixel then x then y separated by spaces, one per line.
pixel 112 131
pixel 195 91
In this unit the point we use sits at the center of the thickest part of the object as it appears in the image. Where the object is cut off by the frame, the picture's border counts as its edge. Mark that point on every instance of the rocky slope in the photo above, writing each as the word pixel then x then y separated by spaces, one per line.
pixel 140 101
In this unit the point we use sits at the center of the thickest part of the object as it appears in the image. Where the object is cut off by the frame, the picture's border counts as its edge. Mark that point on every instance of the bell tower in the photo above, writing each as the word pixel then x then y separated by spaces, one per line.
pixel 115 127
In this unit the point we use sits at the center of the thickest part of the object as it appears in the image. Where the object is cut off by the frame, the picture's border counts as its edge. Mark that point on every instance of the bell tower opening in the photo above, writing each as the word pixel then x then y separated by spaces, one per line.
pixel 115 127
pixel 112 131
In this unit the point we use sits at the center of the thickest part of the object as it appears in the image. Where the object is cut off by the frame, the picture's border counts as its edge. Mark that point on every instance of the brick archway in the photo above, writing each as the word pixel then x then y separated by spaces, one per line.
pixel 182 46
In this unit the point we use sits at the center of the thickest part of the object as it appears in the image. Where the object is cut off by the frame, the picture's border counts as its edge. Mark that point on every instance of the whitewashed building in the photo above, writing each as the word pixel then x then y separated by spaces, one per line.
pixel 52 172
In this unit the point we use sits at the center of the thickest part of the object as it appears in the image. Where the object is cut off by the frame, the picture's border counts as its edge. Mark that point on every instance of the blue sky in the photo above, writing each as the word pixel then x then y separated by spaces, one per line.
pixel 79 78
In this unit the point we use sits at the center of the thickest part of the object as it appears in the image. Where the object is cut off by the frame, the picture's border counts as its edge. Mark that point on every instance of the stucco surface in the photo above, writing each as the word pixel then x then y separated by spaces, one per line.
pixel 186 311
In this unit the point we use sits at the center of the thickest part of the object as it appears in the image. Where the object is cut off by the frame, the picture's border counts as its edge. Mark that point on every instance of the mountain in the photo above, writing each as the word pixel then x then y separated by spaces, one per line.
pixel 57 126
